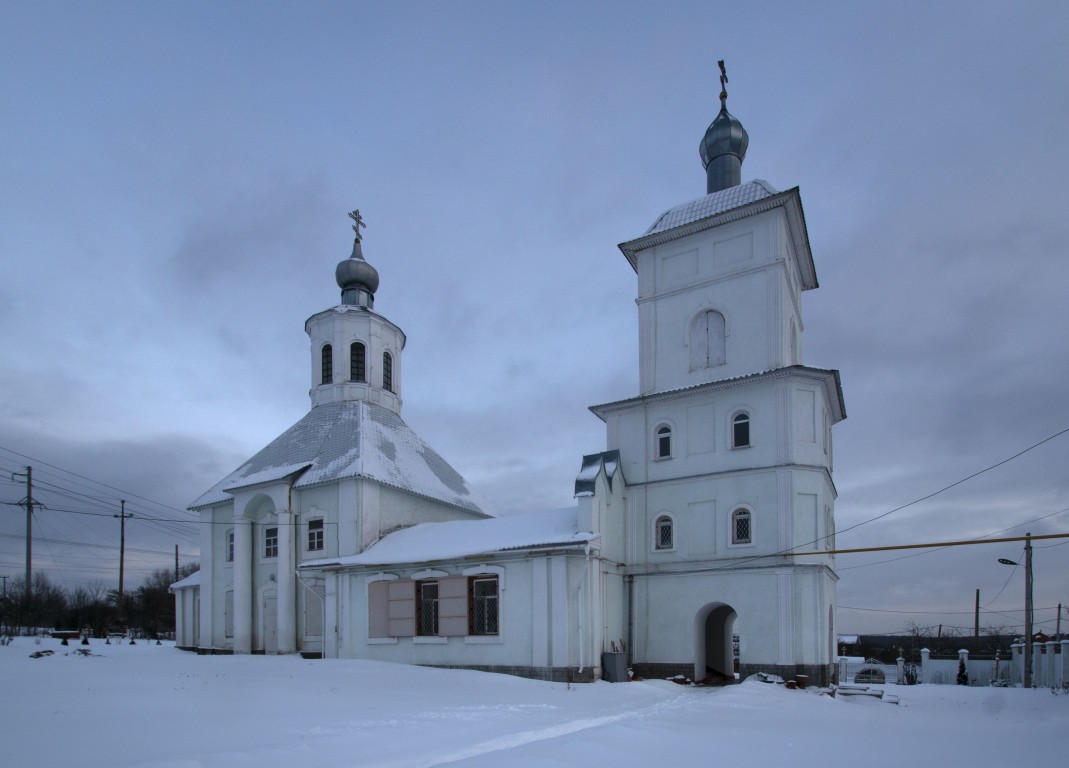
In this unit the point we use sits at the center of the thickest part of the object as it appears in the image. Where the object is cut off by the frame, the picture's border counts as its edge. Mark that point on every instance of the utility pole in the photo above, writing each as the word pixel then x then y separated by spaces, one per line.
pixel 1057 632
pixel 28 501
pixel 176 562
pixel 1028 610
pixel 29 534
pixel 122 551
pixel 976 619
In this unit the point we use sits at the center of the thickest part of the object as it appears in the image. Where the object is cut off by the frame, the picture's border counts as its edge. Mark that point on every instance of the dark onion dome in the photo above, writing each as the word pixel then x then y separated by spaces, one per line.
pixel 722 150
pixel 723 147
pixel 354 271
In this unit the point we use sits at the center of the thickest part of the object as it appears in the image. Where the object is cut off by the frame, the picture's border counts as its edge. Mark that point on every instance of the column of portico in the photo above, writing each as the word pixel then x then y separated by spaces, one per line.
pixel 243 554
pixel 285 583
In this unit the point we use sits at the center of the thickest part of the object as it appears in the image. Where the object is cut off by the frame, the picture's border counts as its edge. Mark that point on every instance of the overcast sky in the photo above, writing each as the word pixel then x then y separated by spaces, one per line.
pixel 175 179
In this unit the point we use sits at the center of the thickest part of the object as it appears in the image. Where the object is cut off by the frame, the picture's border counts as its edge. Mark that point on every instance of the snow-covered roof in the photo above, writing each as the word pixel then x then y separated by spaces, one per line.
pixel 350 439
pixel 710 205
pixel 829 377
pixel 726 205
pixel 192 580
pixel 454 539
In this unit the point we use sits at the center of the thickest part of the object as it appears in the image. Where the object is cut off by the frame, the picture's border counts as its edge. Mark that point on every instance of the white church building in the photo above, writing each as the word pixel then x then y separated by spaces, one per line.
pixel 708 515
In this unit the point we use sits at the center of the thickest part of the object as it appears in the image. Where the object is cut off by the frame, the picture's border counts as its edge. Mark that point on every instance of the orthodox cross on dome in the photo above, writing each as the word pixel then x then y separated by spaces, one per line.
pixel 723 81
pixel 358 221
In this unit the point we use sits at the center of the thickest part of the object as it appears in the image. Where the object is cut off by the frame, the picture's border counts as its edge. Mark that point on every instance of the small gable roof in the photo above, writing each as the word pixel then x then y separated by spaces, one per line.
pixel 192 580
pixel 350 439
pixel 592 465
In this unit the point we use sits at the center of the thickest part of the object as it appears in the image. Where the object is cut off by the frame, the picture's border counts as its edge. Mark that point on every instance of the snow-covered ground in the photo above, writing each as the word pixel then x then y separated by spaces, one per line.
pixel 149 705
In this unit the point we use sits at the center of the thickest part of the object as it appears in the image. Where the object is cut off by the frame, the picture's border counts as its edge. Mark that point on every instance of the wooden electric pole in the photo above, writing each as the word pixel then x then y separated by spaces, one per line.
pixel 28 501
pixel 122 553
pixel 29 535
pixel 1028 610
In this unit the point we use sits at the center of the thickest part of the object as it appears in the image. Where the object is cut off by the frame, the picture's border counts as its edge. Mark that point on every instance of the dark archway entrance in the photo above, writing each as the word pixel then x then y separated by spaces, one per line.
pixel 714 650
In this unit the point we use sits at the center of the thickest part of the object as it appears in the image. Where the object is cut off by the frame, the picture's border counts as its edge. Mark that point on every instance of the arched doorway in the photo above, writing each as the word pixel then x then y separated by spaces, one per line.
pixel 714 649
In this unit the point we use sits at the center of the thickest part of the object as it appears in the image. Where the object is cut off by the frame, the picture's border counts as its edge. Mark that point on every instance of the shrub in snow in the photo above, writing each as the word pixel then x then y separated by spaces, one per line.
pixel 963 674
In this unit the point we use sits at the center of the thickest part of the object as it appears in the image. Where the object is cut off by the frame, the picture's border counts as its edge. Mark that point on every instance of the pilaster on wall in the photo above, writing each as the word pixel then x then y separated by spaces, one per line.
pixel 285 578
pixel 206 628
pixel 539 615
pixel 558 572
pixel 243 558
pixel 785 594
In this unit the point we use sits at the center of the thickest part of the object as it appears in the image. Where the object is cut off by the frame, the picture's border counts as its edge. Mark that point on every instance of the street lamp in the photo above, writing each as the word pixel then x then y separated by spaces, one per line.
pixel 1027 606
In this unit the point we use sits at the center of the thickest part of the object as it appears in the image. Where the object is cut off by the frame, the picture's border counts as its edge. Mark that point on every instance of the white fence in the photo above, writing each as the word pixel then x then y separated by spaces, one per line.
pixel 1049 669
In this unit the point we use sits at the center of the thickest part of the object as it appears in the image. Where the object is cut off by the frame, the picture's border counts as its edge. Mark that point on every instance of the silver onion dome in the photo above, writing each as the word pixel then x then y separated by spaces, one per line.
pixel 723 147
pixel 357 279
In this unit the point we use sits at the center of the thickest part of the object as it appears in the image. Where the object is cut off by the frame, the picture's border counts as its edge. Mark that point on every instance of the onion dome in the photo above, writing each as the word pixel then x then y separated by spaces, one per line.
pixel 357 279
pixel 724 145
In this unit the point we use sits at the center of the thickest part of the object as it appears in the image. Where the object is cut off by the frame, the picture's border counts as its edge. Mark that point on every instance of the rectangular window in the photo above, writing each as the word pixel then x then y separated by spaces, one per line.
pixel 427 609
pixel 271 542
pixel 484 604
pixel 315 535
pixel 230 545
pixel 742 532
pixel 664 533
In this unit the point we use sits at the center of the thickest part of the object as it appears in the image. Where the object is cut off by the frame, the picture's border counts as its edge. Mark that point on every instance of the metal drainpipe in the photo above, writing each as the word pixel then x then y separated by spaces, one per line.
pixel 630 580
pixel 579 597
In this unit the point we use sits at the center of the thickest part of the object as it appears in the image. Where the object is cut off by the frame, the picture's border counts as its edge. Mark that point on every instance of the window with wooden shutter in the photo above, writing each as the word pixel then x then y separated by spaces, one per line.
pixel 453 606
pixel 401 608
pixel 378 599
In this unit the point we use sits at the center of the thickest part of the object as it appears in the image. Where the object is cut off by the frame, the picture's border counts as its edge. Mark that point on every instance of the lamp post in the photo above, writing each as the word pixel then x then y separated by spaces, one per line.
pixel 1027 606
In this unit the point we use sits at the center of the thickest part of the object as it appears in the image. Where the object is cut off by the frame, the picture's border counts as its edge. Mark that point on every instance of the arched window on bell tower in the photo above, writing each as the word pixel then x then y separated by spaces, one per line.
pixel 707 341
pixel 740 430
pixel 327 359
pixel 357 362
pixel 663 442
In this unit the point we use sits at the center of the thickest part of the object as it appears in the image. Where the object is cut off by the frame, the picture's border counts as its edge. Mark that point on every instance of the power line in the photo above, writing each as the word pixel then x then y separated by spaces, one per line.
pixel 97 482
pixel 963 543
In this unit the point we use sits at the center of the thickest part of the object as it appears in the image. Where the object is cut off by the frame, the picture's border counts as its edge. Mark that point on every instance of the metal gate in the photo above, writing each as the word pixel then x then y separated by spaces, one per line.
pixel 870 672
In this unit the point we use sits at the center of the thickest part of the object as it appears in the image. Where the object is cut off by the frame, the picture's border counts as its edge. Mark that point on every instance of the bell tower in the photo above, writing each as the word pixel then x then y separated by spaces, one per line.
pixel 356 352
pixel 727 447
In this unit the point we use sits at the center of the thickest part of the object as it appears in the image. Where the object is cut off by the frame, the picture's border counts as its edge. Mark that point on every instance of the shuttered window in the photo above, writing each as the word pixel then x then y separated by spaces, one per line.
pixel 401 609
pixel 453 606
